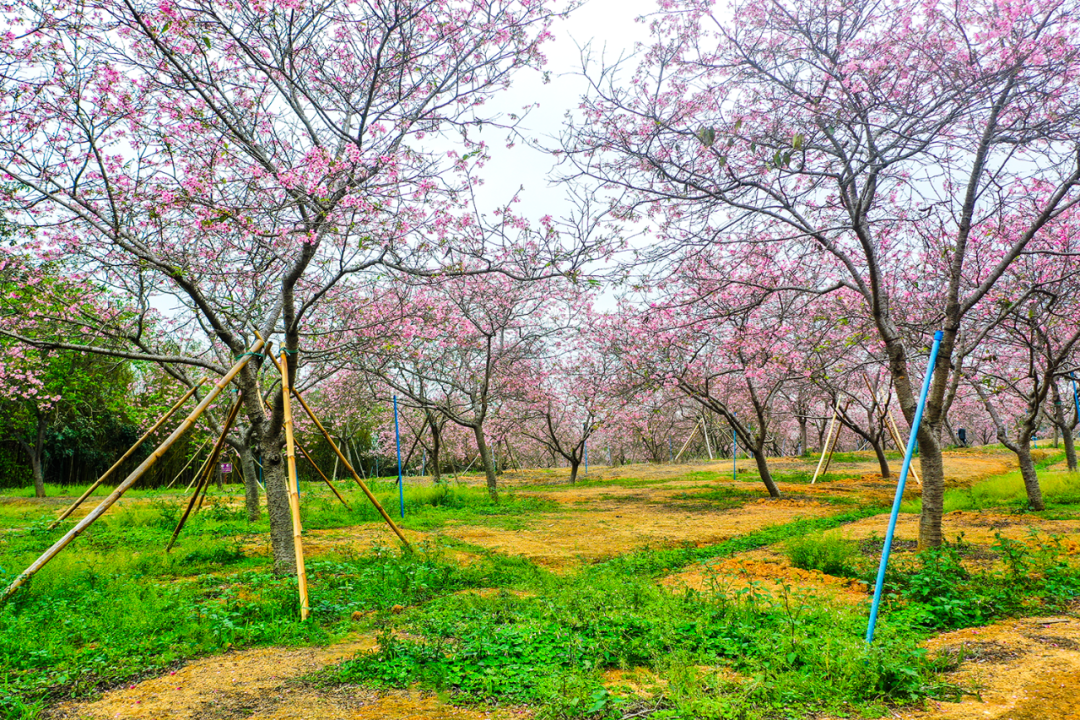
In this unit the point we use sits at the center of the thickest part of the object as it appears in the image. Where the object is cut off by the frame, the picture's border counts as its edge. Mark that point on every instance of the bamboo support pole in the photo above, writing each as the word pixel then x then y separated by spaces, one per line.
pixel 326 480
pixel 201 471
pixel 828 442
pixel 705 432
pixel 348 466
pixel 161 421
pixel 895 432
pixel 188 463
pixel 890 425
pixel 832 448
pixel 133 477
pixel 294 496
pixel 692 434
pixel 204 479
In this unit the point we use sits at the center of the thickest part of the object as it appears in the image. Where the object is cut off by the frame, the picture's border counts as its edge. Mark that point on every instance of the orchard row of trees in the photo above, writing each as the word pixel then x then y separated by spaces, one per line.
pixel 809 189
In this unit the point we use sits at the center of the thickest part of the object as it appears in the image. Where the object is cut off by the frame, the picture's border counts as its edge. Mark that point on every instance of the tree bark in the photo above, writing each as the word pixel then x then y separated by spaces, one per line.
pixel 879 450
pixel 436 444
pixel 763 471
pixel 1058 418
pixel 251 483
pixel 275 478
pixel 36 454
pixel 1070 450
pixel 574 465
pixel 485 458
pixel 932 472
pixel 1031 478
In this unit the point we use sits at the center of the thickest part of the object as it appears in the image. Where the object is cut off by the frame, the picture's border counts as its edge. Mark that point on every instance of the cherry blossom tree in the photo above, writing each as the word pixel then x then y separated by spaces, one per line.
pixel 1029 349
pixel 461 346
pixel 237 162
pixel 908 152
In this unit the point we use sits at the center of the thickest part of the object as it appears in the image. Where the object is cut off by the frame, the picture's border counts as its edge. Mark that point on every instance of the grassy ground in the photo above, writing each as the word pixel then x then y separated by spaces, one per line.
pixel 495 629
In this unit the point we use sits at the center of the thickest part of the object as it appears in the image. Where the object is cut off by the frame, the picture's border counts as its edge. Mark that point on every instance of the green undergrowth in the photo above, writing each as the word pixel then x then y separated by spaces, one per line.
pixel 716 655
pixel 653 562
pixel 937 590
pixel 426 507
pixel 92 619
pixel 1060 489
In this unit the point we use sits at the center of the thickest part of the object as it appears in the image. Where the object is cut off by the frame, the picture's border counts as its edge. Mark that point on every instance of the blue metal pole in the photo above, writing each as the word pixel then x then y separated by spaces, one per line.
pixel 400 484
pixel 1076 397
pixel 900 486
pixel 734 451
pixel 585 446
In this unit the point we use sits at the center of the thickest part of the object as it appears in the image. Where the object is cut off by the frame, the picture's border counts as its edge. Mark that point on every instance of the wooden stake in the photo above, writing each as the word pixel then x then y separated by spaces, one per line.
pixel 294 496
pixel 705 432
pixel 692 434
pixel 194 455
pixel 828 441
pixel 890 425
pixel 126 455
pixel 202 471
pixel 895 432
pixel 321 473
pixel 348 466
pixel 133 477
pixel 204 478
pixel 836 439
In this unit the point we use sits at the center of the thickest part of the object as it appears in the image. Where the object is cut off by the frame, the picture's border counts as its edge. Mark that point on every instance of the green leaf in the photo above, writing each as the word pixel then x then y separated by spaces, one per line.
pixel 206 42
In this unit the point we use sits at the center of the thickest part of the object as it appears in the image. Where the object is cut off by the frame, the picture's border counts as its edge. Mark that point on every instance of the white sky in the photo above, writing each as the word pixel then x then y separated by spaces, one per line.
pixel 612 28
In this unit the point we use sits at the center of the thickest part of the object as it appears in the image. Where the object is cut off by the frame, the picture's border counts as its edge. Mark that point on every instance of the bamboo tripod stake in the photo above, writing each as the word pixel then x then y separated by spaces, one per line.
pixel 304 452
pixel 326 480
pixel 126 455
pixel 692 434
pixel 134 476
pixel 828 442
pixel 204 478
pixel 188 463
pixel 890 425
pixel 347 464
pixel 836 440
pixel 294 497
pixel 705 433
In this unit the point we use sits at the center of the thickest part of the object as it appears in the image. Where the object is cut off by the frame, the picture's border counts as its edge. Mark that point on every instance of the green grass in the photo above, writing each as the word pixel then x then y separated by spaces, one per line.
pixel 828 552
pixel 1061 490
pixel 113 608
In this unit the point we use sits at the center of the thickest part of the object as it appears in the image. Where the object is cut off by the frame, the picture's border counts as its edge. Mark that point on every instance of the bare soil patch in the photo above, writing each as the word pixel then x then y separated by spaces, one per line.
pixel 262 685
pixel 1019 670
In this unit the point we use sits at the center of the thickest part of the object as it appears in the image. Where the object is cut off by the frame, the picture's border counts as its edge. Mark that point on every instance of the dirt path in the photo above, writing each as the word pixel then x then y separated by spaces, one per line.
pixel 1021 670
pixel 263 684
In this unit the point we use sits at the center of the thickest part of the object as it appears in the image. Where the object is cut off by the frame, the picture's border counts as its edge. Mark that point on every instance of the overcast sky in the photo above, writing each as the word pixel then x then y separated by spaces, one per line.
pixel 612 28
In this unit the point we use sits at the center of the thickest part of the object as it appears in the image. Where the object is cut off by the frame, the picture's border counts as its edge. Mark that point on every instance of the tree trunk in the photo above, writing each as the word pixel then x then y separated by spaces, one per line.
pixel 803 437
pixel 1031 478
pixel 485 458
pixel 1070 450
pixel 436 443
pixel 35 453
pixel 39 477
pixel 1058 418
pixel 574 465
pixel 932 472
pixel 763 471
pixel 275 478
pixel 879 450
pixel 251 483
